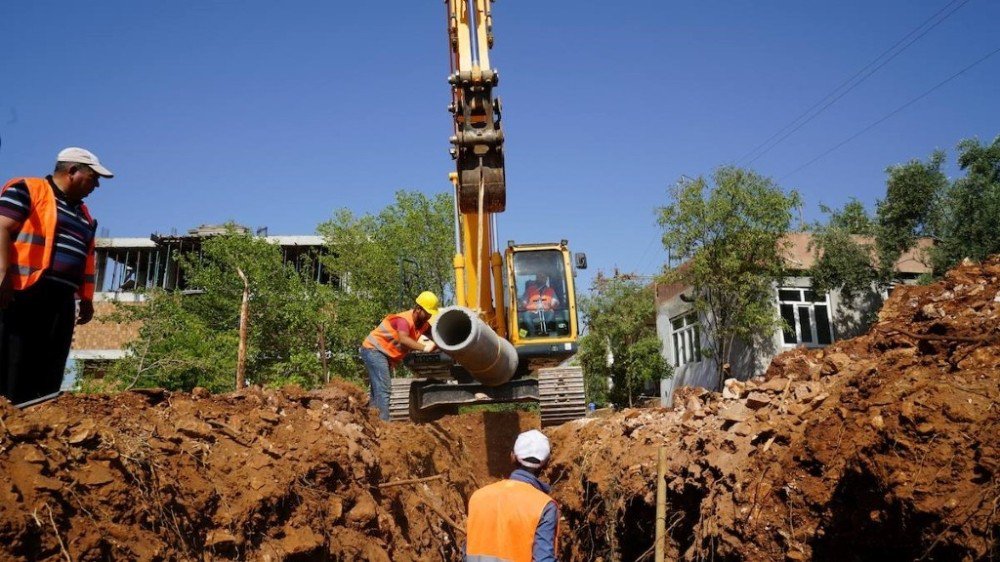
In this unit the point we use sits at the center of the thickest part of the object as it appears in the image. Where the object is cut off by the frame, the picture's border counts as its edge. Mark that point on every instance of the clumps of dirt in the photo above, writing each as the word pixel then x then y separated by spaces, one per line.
pixel 255 475
pixel 884 447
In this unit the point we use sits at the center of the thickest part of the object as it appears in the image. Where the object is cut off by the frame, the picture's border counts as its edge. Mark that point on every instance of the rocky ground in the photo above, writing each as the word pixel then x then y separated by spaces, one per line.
pixel 885 447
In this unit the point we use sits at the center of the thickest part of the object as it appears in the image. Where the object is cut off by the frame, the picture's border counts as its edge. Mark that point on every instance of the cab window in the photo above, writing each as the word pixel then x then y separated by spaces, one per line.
pixel 542 304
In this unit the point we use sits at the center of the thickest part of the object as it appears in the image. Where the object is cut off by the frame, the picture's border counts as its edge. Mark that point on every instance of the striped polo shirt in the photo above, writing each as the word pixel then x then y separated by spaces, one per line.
pixel 74 232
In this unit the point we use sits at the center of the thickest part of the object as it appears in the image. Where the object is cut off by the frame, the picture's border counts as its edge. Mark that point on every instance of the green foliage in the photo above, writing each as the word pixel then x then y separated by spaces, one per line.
pixel 910 210
pixel 970 217
pixel 189 340
pixel 844 251
pixel 388 259
pixel 620 318
pixel 730 236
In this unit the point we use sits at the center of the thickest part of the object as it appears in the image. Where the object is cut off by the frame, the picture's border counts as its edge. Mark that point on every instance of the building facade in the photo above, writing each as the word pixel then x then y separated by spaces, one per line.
pixel 811 320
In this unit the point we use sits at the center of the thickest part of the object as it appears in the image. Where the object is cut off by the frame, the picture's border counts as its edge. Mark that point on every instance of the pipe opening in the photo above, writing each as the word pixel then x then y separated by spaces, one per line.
pixel 453 328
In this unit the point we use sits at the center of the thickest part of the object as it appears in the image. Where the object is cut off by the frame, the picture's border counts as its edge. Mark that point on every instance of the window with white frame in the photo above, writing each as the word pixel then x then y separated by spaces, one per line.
pixel 687 339
pixel 806 315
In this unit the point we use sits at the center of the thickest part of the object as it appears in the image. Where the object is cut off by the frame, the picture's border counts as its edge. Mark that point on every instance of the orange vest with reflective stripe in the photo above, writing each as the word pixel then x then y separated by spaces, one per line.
pixel 385 337
pixel 540 299
pixel 31 252
pixel 503 518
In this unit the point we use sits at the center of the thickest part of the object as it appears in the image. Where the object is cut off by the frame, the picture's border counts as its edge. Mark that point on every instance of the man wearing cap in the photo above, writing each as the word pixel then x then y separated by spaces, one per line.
pixel 390 341
pixel 515 520
pixel 46 263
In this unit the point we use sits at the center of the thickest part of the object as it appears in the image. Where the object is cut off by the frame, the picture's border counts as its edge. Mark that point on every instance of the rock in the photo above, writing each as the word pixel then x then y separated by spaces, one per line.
pixel 200 392
pixel 301 541
pixel 742 429
pixel 195 428
pixel 732 389
pixel 364 511
pixel 757 400
pixel 96 474
pixel 877 421
pixel 774 385
pixel 735 412
pixel 336 506
pixel 925 428
pixel 34 455
pixel 835 363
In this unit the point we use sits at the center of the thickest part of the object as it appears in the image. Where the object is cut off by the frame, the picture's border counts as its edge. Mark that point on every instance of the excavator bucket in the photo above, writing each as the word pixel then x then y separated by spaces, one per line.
pixel 486 172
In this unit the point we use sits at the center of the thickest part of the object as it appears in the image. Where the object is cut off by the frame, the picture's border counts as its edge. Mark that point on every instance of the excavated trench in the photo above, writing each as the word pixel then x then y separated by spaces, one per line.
pixel 883 447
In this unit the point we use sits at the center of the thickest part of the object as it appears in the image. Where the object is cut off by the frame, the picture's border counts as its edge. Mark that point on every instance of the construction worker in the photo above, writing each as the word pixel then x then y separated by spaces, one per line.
pixel 515 520
pixel 46 263
pixel 387 345
pixel 538 301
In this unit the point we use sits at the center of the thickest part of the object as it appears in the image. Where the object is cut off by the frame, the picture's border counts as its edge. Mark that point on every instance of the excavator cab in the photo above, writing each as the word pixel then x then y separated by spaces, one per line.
pixel 542 323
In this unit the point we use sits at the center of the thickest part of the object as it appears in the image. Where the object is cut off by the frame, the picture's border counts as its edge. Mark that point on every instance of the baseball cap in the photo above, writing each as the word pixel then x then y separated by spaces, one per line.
pixel 532 448
pixel 83 156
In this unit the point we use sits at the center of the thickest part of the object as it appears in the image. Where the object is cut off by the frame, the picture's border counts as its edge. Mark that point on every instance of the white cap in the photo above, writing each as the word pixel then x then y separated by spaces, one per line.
pixel 532 445
pixel 83 156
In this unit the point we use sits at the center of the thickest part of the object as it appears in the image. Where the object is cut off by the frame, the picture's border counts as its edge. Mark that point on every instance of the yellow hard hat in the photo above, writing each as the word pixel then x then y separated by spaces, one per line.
pixel 429 302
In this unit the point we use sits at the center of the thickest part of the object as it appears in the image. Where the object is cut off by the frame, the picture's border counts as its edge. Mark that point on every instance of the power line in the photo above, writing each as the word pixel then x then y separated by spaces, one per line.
pixel 854 81
pixel 893 112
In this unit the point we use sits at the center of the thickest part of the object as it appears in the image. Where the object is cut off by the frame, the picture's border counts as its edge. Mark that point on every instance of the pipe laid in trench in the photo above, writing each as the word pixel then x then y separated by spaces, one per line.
pixel 464 336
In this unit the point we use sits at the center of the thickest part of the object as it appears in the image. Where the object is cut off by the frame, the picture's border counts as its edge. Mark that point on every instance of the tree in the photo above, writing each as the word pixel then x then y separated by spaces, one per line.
pixel 621 342
pixel 189 340
pixel 730 236
pixel 843 249
pixel 970 212
pixel 386 260
pixel 910 210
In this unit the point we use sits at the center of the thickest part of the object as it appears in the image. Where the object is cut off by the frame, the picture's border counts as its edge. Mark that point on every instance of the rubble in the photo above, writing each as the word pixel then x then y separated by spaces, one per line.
pixel 883 447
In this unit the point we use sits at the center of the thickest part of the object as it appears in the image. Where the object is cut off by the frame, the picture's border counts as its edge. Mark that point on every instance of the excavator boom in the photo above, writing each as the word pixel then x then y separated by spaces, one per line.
pixel 477 143
pixel 497 350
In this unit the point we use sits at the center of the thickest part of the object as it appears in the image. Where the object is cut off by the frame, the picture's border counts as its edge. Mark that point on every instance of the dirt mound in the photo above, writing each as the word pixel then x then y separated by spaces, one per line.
pixel 259 475
pixel 884 447
pixel 881 447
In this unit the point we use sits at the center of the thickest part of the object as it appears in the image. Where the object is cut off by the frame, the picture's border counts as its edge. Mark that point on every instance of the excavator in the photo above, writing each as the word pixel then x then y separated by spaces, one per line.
pixel 514 322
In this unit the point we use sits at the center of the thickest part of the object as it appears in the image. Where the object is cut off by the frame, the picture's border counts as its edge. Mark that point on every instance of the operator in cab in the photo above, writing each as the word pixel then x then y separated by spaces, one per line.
pixel 390 341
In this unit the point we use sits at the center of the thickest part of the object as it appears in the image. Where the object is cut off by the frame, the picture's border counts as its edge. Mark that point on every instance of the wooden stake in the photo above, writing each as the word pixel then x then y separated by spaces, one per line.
pixel 241 352
pixel 661 503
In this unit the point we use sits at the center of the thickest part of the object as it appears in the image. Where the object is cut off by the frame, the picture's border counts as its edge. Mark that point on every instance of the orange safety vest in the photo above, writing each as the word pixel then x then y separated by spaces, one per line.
pixel 540 299
pixel 503 518
pixel 385 338
pixel 31 252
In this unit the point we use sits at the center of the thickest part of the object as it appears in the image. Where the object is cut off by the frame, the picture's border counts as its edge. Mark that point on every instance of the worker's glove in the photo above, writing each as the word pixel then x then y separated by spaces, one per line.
pixel 428 344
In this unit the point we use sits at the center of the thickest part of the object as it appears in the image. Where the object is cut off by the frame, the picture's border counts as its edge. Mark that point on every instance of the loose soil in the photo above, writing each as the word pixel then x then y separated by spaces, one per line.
pixel 884 447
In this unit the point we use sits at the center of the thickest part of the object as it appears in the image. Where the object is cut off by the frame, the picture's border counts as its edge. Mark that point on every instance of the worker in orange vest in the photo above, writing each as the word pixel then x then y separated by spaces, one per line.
pixel 515 520
pixel 538 303
pixel 46 264
pixel 390 341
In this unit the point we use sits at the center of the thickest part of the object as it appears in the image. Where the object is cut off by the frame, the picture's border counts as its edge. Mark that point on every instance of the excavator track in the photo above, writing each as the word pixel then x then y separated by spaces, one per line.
pixel 561 395
pixel 399 400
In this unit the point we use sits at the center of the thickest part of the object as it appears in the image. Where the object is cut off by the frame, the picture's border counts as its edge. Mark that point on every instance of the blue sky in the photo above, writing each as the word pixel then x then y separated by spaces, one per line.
pixel 275 114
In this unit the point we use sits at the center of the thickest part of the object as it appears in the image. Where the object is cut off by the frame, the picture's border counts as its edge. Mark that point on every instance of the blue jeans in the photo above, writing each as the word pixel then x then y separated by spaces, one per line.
pixel 380 378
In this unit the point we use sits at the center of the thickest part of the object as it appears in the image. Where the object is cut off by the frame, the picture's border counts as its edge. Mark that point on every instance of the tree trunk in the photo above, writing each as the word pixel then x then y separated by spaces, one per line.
pixel 241 352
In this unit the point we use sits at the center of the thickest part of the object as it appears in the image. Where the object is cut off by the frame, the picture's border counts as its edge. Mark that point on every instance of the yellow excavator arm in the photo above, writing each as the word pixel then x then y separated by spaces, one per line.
pixel 504 343
pixel 477 147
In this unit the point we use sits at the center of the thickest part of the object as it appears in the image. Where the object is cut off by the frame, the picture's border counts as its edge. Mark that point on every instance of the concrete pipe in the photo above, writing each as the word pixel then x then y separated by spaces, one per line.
pixel 464 336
